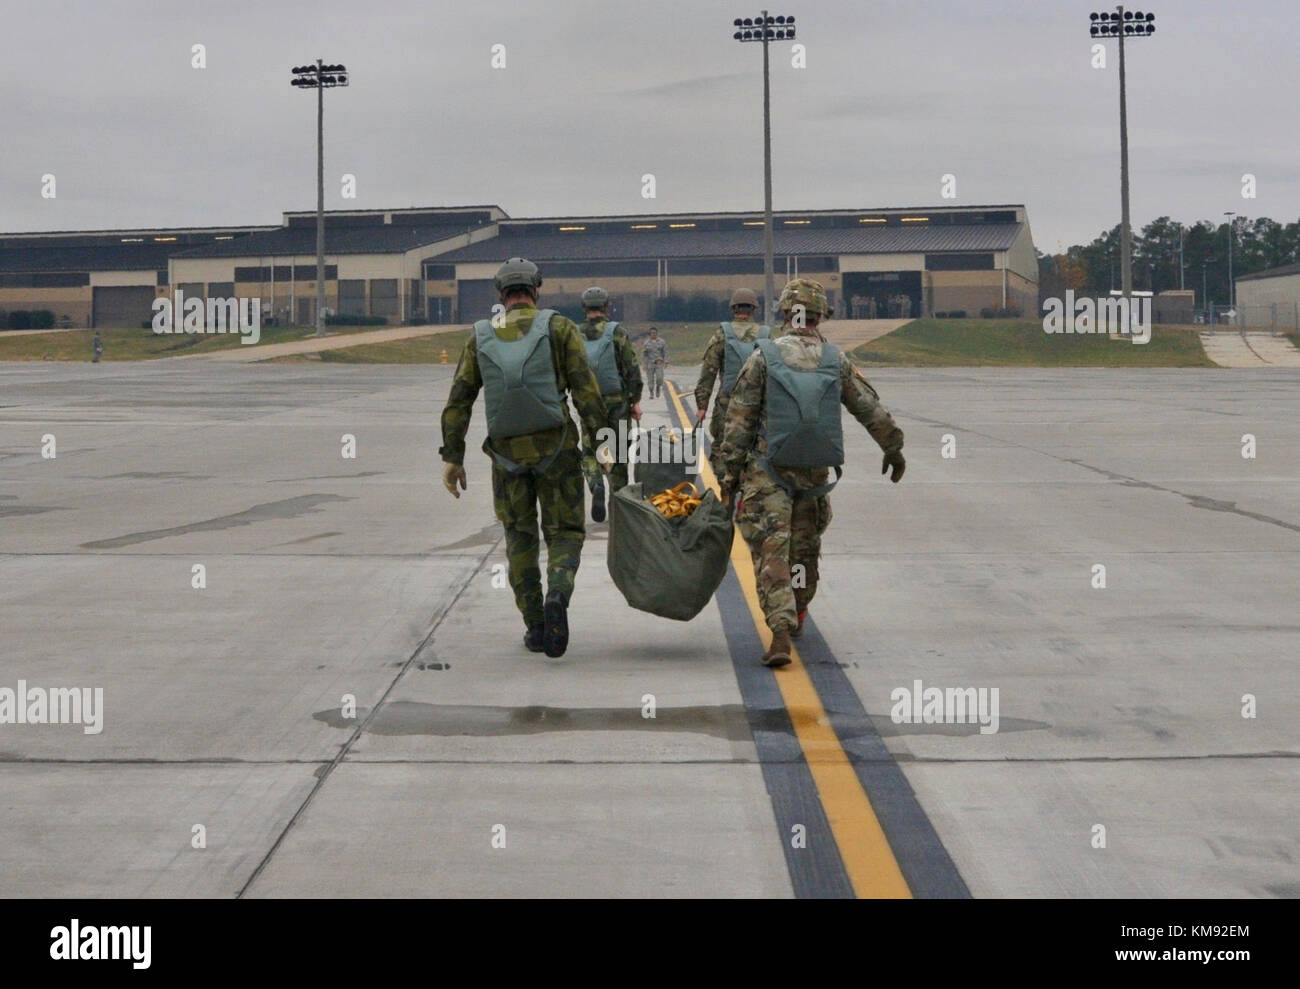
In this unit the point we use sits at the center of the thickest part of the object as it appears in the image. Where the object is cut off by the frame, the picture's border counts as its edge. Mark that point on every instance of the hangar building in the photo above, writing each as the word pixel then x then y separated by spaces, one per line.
pixel 436 264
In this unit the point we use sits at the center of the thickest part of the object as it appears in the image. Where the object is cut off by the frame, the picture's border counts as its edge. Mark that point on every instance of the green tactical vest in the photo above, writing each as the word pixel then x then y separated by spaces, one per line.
pixel 803 426
pixel 735 352
pixel 521 393
pixel 604 365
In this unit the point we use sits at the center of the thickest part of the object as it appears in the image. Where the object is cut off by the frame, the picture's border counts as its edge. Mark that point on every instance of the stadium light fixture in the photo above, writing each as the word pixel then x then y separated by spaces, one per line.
pixel 320 77
pixel 1123 24
pixel 766 28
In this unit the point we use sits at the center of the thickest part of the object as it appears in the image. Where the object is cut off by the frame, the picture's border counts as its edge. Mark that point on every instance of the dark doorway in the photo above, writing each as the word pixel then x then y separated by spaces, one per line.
pixel 882 294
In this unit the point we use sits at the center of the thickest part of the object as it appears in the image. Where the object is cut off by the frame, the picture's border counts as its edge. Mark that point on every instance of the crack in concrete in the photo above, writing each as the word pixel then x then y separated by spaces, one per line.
pixel 287 509
pixel 1195 501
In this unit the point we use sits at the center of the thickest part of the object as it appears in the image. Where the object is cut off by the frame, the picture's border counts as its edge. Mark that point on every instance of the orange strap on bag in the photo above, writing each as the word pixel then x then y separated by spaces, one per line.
pixel 675 502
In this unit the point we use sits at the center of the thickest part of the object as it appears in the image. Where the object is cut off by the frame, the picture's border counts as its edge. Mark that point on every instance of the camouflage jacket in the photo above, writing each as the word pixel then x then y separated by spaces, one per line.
pixel 628 369
pixel 743 437
pixel 654 350
pixel 714 353
pixel 572 374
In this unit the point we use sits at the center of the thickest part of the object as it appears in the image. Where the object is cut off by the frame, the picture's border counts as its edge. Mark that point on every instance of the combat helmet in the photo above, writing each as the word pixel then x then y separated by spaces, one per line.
pixel 744 297
pixel 807 293
pixel 516 272
pixel 595 298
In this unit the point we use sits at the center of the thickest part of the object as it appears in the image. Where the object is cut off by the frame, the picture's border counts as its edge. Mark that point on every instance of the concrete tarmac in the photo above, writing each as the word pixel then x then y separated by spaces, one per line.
pixel 346 709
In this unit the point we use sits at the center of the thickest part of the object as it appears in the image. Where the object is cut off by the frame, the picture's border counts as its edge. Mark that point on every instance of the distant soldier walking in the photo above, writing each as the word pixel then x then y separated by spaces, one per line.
pixel 97 348
pixel 782 435
pixel 655 355
pixel 525 360
pixel 613 362
pixel 727 350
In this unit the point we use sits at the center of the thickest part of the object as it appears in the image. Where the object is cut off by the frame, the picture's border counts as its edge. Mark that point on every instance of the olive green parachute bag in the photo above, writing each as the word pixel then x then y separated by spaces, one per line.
pixel 668 567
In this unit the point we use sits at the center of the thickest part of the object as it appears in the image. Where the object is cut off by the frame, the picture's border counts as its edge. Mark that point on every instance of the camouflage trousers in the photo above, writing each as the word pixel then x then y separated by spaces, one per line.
pixel 717 424
pixel 516 498
pixel 785 538
pixel 654 377
pixel 618 474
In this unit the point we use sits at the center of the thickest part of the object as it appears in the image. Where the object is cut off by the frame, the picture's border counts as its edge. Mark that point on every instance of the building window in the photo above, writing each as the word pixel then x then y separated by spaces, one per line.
pixel 383 297
pixel 959 262
pixel 307 272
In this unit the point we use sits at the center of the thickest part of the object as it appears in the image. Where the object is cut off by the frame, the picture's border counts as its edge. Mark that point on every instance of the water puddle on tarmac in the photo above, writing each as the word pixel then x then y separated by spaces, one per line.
pixel 417 718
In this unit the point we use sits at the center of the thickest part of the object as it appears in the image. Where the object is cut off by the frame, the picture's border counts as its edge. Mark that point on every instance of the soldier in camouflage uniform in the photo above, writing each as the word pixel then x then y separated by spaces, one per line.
pixel 535 468
pixel 655 354
pixel 622 403
pixel 744 302
pixel 782 511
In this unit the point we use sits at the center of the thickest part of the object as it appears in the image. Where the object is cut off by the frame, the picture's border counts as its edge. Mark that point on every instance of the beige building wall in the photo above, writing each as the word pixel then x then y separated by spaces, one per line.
pixel 972 291
pixel 74 302
pixel 1023 260
pixel 1262 300
pixel 882 262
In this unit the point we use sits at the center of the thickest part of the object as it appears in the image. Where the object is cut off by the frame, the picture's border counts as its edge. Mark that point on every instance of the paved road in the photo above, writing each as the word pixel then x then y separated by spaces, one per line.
pixel 1229 348
pixel 850 333
pixel 327 579
pixel 314 345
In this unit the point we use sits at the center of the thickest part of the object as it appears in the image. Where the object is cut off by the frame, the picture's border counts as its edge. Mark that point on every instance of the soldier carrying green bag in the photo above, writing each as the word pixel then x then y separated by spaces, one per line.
pixel 727 350
pixel 781 438
pixel 525 360
pixel 613 362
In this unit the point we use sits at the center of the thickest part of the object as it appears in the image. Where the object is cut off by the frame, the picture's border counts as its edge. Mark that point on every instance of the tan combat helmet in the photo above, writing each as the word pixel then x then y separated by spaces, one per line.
pixel 744 297
pixel 807 293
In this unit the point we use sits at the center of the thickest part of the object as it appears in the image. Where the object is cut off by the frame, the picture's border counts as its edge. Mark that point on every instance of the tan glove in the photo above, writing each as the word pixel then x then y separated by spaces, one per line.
pixel 451 475
pixel 605 457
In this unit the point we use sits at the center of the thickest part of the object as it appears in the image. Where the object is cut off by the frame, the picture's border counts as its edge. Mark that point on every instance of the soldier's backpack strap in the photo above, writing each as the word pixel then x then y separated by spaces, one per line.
pixel 541 324
pixel 516 469
pixel 830 358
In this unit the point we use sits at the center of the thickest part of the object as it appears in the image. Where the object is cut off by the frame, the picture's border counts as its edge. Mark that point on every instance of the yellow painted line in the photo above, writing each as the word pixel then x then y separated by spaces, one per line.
pixel 872 868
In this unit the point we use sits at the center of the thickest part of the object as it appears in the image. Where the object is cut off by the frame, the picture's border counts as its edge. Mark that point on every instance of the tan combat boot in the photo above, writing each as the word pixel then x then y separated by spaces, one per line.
pixel 778 653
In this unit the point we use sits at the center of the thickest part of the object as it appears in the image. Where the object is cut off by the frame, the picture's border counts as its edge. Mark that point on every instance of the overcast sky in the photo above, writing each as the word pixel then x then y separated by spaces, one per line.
pixel 101 94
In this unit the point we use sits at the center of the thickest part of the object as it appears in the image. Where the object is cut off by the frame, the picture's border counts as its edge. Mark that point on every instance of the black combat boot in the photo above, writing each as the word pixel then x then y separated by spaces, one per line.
pixel 533 637
pixel 555 634
pixel 597 486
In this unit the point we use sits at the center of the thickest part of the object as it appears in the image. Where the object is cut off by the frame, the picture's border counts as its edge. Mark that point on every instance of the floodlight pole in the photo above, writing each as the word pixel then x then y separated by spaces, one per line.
pixel 769 277
pixel 1125 233
pixel 766 29
pixel 320 76
pixel 320 199
pixel 1118 25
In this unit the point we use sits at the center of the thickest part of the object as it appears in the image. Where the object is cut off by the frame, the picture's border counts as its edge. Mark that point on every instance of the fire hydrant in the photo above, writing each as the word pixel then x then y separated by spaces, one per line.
pixel 444 355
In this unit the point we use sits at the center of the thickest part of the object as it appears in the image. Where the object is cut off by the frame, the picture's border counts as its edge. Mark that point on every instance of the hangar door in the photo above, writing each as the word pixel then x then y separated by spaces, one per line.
pixel 123 305
pixel 475 299
pixel 883 294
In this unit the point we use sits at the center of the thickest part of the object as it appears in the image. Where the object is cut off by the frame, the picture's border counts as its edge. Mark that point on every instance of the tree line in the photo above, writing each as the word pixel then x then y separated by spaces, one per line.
pixel 1094 269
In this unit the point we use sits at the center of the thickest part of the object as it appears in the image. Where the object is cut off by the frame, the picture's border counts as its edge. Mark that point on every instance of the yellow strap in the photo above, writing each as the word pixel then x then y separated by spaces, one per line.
pixel 674 503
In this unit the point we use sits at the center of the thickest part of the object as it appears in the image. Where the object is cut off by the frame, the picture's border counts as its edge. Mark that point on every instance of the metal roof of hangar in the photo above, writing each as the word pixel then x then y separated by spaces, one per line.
pixel 296 240
pixel 581 245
